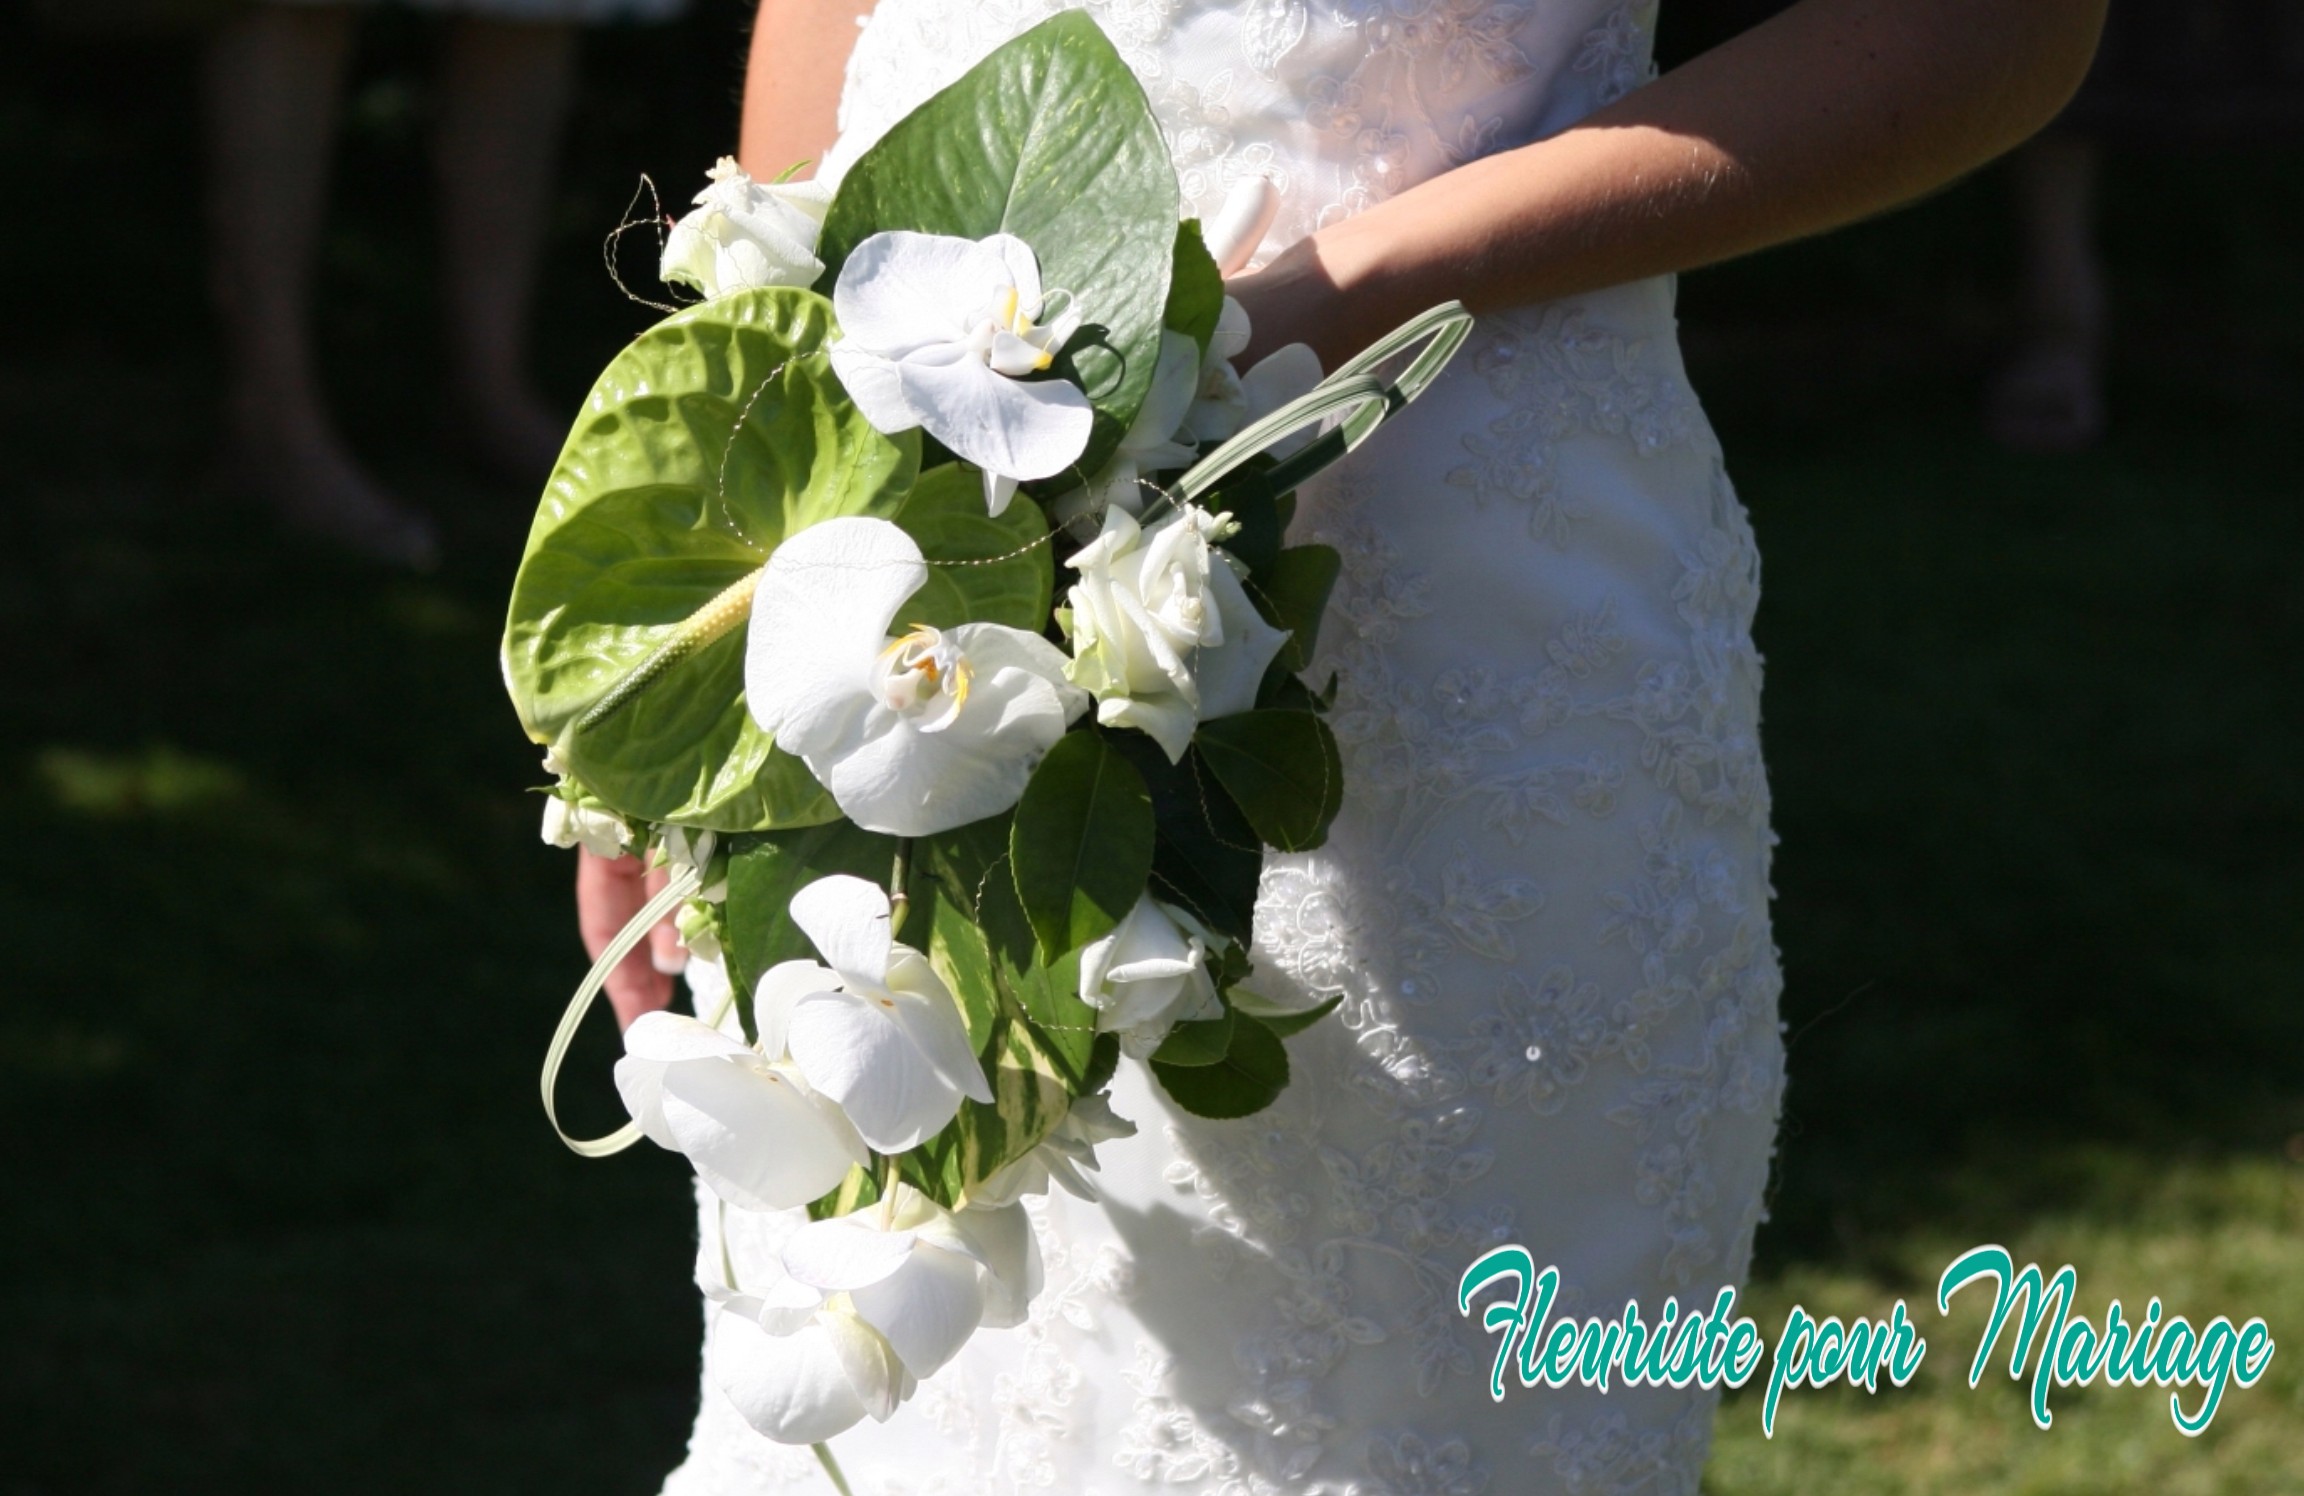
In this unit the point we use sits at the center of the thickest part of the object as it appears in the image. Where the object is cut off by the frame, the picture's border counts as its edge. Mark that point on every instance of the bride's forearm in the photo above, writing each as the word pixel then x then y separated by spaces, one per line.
pixel 792 78
pixel 1834 110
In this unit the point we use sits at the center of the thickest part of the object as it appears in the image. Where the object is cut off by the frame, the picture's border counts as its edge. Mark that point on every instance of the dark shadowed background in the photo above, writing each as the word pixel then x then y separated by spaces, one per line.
pixel 281 1213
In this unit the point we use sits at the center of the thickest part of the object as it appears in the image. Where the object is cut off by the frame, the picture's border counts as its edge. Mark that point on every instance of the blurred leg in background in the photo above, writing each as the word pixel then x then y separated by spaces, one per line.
pixel 2050 398
pixel 274 78
pixel 504 96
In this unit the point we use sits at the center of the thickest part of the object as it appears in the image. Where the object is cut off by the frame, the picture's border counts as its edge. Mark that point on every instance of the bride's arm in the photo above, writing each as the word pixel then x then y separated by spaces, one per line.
pixel 1833 110
pixel 792 81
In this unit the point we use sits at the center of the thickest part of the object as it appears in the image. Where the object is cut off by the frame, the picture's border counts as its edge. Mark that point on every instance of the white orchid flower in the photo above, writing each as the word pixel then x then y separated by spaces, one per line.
pixel 912 735
pixel 939 332
pixel 878 1032
pixel 1163 633
pixel 1150 974
pixel 756 1133
pixel 921 1276
pixel 1069 1148
pixel 797 1366
pixel 1228 402
pixel 1152 444
pixel 745 234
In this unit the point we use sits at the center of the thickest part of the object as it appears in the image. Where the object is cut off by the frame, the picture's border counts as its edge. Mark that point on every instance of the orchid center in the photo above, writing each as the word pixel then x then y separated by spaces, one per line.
pixel 1010 339
pixel 924 676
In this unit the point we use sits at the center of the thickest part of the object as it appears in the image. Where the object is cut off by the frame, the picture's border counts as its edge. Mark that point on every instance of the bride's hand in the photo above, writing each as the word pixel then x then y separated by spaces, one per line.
pixel 1295 299
pixel 609 891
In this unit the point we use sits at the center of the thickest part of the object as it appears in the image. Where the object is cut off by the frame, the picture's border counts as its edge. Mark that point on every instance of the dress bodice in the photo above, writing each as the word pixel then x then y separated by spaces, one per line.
pixel 1341 103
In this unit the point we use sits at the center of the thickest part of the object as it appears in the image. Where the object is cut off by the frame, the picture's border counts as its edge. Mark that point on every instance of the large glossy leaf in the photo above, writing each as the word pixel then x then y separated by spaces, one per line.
pixel 1082 844
pixel 1249 1078
pixel 713 436
pixel 1281 768
pixel 1050 138
pixel 980 569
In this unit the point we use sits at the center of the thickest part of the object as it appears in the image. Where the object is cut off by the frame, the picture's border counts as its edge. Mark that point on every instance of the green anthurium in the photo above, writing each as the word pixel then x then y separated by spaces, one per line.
pixel 717 433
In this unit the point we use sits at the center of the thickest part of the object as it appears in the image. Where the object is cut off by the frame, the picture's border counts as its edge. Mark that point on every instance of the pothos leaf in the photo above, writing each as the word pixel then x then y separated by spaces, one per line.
pixel 718 432
pixel 1049 138
pixel 1195 287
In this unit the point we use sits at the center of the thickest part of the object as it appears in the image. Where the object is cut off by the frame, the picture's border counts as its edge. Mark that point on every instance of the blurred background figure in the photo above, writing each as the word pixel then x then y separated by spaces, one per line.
pixel 274 83
pixel 2192 72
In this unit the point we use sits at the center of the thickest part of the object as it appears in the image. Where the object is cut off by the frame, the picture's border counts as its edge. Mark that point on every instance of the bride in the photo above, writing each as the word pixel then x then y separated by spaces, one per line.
pixel 1546 905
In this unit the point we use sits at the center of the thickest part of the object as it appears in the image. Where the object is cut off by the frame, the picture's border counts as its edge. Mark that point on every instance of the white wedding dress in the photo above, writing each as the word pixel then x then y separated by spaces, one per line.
pixel 1546 902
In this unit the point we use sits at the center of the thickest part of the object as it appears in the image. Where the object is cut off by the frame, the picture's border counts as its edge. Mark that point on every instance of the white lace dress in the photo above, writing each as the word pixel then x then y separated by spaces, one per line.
pixel 1546 902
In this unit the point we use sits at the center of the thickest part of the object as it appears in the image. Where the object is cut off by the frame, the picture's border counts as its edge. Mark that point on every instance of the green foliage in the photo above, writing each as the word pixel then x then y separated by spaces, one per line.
pixel 1195 287
pixel 1082 844
pixel 1250 1076
pixel 1283 770
pixel 1190 1045
pixel 1293 594
pixel 981 569
pixel 1207 858
pixel 703 444
pixel 1049 138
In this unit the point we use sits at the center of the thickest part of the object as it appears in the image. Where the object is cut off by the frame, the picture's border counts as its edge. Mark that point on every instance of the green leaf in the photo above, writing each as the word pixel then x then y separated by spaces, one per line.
pixel 974 880
pixel 1283 770
pixel 1082 845
pixel 1252 1074
pixel 1293 595
pixel 1051 139
pixel 705 442
pixel 980 569
pixel 1195 287
pixel 1194 1044
pixel 763 874
pixel 1208 859
pixel 1286 1022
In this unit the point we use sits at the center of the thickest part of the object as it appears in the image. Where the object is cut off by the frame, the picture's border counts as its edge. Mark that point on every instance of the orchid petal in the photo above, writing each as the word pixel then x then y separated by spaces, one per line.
pixel 1023 267
pixel 1017 428
pixel 753 1138
pixel 846 919
pixel 900 291
pixel 794 1389
pixel 874 1371
pixel 927 1310
pixel 1237 228
pixel 843 1254
pixel 998 490
pixel 819 618
pixel 779 988
pixel 852 1050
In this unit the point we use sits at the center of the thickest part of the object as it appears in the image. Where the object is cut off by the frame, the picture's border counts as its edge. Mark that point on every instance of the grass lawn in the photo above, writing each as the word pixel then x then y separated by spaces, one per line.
pixel 281 1215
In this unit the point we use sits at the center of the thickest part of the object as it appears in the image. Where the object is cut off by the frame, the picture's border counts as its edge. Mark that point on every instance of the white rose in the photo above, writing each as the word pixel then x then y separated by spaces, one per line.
pixel 1150 974
pixel 745 234
pixel 1163 634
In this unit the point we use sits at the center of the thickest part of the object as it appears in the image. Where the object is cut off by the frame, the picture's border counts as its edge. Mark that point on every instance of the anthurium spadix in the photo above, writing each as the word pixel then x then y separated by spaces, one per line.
pixel 913 734
pixel 943 333
pixel 1163 633
pixel 757 1134
pixel 879 1033
pixel 744 235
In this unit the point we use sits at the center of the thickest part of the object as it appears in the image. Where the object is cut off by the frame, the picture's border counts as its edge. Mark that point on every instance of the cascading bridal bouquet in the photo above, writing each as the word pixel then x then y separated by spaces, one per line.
pixel 788 622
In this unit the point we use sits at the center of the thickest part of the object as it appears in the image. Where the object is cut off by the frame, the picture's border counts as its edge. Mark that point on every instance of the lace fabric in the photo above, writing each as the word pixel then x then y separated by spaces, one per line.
pixel 1545 907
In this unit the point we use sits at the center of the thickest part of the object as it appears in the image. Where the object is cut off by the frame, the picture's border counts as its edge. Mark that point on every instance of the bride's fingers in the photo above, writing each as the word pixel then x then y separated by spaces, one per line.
pixel 609 891
pixel 665 952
